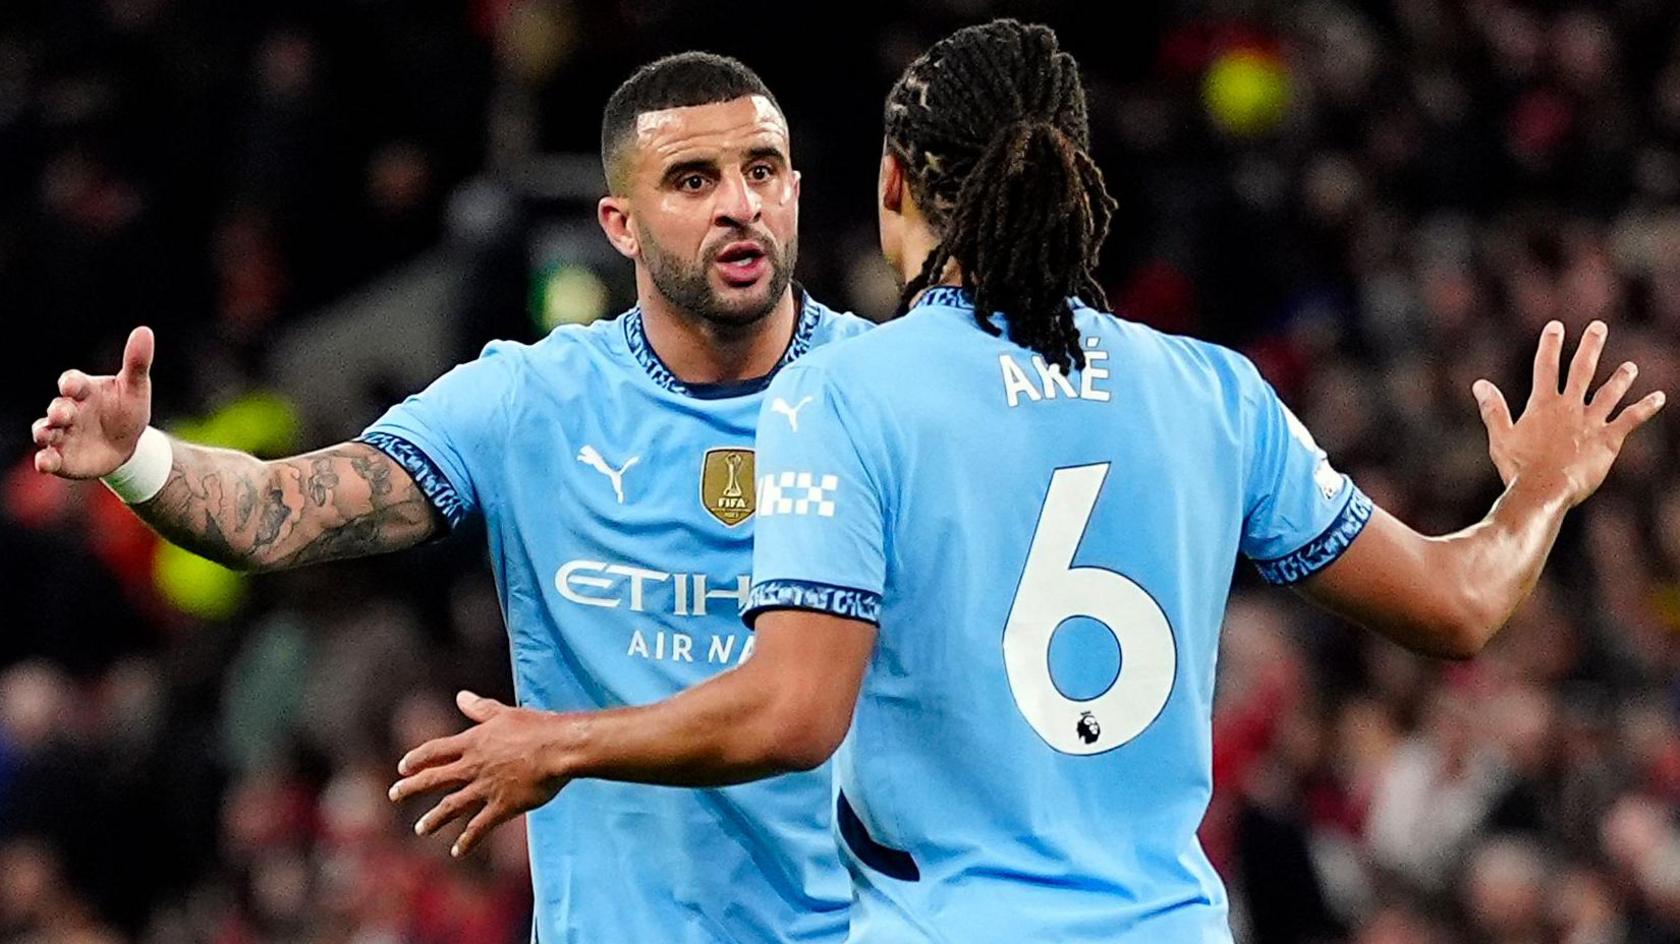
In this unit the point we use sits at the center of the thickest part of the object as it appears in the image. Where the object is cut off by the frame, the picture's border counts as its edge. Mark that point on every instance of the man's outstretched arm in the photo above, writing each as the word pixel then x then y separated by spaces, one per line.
pixel 1448 596
pixel 785 709
pixel 349 500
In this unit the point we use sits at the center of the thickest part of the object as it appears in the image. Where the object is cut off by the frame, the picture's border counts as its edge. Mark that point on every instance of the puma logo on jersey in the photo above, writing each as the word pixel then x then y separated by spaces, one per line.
pixel 590 457
pixel 779 405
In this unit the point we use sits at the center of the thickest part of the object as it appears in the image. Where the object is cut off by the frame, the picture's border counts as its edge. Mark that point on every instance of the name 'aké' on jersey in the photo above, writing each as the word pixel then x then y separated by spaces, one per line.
pixel 1047 558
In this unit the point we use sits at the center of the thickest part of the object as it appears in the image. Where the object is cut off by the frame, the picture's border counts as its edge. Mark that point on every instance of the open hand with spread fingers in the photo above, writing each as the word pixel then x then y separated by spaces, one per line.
pixel 93 425
pixel 493 771
pixel 1565 437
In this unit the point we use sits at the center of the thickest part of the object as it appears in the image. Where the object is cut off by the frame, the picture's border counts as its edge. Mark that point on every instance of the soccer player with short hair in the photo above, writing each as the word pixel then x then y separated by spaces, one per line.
pixel 1010 519
pixel 613 466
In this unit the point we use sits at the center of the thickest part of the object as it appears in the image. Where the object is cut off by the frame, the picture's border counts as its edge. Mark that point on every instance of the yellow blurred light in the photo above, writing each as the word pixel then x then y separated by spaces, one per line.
pixel 261 423
pixel 571 294
pixel 196 586
pixel 1246 92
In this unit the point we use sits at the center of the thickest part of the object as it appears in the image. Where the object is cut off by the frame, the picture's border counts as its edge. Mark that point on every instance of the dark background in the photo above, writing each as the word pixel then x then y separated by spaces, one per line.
pixel 320 206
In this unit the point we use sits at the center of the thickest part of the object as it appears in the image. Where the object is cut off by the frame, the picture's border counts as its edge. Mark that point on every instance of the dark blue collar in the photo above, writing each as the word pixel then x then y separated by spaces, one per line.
pixel 952 296
pixel 945 296
pixel 635 334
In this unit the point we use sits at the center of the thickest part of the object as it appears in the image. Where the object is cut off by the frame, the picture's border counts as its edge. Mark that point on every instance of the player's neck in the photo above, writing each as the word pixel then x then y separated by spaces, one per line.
pixel 918 244
pixel 699 351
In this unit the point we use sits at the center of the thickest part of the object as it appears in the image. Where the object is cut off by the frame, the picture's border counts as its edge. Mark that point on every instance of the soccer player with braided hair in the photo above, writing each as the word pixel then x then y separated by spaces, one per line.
pixel 996 537
pixel 999 166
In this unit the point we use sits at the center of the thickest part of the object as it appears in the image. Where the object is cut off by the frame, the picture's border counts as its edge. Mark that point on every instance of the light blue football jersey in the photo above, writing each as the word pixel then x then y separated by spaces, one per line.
pixel 619 509
pixel 1047 558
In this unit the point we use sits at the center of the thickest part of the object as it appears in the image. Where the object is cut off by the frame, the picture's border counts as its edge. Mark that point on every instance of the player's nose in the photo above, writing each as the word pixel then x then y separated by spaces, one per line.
pixel 738 203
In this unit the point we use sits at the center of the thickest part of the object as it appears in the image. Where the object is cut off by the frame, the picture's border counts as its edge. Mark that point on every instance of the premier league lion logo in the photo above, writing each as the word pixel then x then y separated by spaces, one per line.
pixel 1089 730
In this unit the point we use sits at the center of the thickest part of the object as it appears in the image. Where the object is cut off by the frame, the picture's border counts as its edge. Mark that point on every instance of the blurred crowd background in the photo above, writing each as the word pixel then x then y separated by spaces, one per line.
pixel 321 204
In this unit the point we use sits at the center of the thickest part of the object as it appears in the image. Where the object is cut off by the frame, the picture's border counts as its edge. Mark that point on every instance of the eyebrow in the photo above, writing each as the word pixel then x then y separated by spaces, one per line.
pixel 766 151
pixel 693 166
pixel 706 165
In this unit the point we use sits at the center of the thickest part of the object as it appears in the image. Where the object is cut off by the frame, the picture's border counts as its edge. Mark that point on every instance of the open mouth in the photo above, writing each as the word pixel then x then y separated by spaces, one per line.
pixel 743 263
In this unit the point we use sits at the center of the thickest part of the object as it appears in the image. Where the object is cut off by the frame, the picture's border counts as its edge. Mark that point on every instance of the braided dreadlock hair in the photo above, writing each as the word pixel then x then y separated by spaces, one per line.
pixel 990 125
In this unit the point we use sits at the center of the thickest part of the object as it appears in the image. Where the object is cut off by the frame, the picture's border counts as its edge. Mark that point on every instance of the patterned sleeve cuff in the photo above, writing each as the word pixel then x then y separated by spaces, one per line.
pixel 433 483
pixel 807 595
pixel 1318 553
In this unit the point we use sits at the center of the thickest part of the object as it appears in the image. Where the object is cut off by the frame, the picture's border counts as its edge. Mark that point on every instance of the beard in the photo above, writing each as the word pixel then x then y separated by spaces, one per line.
pixel 689 287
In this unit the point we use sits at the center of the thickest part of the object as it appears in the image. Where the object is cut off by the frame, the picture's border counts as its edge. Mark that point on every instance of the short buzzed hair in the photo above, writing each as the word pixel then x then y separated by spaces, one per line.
pixel 679 81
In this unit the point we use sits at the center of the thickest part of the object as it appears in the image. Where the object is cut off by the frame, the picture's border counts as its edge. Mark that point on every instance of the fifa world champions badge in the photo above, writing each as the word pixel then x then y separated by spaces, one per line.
pixel 726 484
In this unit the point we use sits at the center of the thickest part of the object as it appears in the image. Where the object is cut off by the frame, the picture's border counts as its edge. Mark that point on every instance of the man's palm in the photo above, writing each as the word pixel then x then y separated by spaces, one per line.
pixel 93 425
pixel 1565 435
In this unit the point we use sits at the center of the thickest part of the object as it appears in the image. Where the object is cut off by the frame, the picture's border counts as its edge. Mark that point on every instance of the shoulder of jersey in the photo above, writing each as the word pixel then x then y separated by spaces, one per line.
pixel 861 337
pixel 1192 352
pixel 565 344
pixel 834 325
pixel 568 351
pixel 1183 363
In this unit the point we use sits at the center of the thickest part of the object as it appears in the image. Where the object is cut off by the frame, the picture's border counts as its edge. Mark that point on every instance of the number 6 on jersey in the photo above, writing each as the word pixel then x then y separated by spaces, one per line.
pixel 1053 591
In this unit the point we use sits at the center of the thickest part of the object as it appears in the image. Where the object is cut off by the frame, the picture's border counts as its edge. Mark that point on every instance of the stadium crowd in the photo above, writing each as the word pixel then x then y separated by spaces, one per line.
pixel 1378 202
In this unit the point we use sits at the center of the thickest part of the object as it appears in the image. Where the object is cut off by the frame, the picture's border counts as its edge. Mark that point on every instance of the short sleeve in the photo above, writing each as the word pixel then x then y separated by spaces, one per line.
pixel 442 435
pixel 1300 513
pixel 819 541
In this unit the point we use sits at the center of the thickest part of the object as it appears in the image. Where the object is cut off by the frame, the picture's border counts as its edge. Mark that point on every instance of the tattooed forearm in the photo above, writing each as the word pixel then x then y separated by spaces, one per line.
pixel 347 501
pixel 185 513
pixel 322 479
pixel 376 473
pixel 245 502
pixel 276 514
pixel 213 535
pixel 365 534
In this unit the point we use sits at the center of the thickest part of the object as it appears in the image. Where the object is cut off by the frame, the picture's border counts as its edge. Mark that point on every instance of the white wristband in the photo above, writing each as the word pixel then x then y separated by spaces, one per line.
pixel 144 474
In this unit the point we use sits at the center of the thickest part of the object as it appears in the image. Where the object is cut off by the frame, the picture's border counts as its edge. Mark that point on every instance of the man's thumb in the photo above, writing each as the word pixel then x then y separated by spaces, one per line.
pixel 1495 413
pixel 137 356
pixel 477 707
